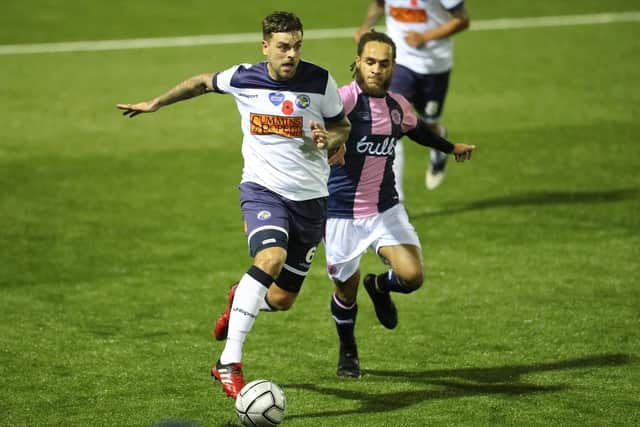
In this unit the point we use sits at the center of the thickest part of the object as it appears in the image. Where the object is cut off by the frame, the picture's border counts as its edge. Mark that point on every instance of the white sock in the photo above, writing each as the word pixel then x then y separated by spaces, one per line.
pixel 246 305
pixel 398 169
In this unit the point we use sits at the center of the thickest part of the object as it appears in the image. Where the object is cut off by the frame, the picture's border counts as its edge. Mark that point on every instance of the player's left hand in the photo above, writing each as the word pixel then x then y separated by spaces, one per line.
pixel 414 39
pixel 463 152
pixel 319 134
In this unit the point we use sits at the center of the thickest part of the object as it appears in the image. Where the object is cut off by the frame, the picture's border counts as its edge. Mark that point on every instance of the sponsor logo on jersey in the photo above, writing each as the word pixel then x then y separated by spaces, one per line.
pixel 263 215
pixel 303 101
pixel 248 95
pixel 408 15
pixel 396 118
pixel 267 124
pixel 384 147
pixel 276 98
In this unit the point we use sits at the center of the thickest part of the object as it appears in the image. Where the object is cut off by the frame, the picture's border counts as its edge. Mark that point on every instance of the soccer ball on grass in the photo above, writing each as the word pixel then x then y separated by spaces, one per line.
pixel 261 403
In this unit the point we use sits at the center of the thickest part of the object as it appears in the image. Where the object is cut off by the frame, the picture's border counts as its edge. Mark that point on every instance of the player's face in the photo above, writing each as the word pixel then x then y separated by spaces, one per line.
pixel 283 51
pixel 375 66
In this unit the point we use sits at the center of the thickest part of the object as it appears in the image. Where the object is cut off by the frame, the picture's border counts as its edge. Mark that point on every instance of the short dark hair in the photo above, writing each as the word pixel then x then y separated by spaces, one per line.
pixel 280 22
pixel 374 36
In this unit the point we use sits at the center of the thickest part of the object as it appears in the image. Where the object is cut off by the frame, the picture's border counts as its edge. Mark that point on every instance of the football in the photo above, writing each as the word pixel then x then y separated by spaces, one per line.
pixel 261 403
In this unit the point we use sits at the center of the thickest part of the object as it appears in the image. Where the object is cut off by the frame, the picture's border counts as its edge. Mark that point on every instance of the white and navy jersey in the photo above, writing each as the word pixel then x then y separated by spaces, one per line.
pixel 365 184
pixel 275 116
pixel 435 56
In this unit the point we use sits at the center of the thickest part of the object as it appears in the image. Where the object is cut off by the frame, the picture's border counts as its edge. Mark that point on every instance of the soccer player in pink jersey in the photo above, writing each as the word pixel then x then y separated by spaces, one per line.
pixel 364 210
pixel 422 31
pixel 285 104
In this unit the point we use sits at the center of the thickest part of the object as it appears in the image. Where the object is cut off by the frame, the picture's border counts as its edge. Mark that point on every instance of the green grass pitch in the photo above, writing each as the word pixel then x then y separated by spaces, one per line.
pixel 119 237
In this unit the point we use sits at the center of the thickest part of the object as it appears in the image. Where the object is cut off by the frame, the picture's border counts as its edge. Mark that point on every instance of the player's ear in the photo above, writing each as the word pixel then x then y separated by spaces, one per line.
pixel 265 47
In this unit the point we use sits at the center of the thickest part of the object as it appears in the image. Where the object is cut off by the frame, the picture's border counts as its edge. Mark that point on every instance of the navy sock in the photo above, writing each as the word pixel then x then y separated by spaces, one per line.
pixel 345 318
pixel 390 282
pixel 260 276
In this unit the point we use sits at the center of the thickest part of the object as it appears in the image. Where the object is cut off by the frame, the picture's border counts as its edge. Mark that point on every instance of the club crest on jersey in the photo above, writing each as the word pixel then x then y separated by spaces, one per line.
pixel 276 98
pixel 263 215
pixel 396 118
pixel 303 101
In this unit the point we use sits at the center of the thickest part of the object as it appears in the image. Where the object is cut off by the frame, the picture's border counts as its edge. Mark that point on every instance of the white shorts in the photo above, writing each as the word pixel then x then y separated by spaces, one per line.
pixel 347 240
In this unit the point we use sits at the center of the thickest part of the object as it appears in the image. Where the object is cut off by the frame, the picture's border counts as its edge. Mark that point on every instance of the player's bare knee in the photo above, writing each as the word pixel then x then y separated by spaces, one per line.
pixel 270 261
pixel 413 280
pixel 346 292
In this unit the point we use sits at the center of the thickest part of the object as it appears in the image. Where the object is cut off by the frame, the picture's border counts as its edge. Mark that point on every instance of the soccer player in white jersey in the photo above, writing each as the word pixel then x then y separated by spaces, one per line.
pixel 291 116
pixel 421 30
pixel 364 210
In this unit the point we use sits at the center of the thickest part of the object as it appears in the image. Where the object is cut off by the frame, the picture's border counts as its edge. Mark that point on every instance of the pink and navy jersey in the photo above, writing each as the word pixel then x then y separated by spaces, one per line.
pixel 365 184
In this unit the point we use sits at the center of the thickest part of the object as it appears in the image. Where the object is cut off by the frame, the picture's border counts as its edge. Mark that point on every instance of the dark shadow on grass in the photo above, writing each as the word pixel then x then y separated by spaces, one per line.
pixel 453 383
pixel 537 199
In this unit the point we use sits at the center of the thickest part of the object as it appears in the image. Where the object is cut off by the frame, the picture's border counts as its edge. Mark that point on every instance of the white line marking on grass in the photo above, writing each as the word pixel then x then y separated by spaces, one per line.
pixel 331 33
pixel 555 21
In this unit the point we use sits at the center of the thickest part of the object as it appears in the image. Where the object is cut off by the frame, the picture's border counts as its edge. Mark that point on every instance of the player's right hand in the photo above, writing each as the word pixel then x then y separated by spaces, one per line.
pixel 319 135
pixel 133 110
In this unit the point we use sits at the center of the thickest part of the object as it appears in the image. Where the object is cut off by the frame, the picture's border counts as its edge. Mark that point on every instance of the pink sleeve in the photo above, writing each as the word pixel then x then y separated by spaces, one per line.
pixel 349 97
pixel 409 118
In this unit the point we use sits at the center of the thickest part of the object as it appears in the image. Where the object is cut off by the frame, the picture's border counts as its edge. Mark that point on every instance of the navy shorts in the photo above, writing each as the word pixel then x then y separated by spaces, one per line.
pixel 426 92
pixel 297 226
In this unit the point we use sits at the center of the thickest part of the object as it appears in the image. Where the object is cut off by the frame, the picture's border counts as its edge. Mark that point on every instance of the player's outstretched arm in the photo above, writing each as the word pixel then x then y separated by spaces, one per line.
pixel 423 135
pixel 195 86
pixel 459 22
pixel 374 12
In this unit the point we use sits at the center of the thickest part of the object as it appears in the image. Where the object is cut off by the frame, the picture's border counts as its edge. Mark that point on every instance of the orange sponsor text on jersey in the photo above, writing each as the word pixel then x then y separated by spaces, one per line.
pixel 266 124
pixel 404 14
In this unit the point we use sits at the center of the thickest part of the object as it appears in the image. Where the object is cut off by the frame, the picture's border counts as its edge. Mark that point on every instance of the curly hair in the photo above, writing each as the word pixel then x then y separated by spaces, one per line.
pixel 373 36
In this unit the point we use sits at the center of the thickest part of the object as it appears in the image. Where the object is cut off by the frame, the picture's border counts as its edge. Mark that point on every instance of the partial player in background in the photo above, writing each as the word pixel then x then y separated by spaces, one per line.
pixel 364 210
pixel 285 104
pixel 421 30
